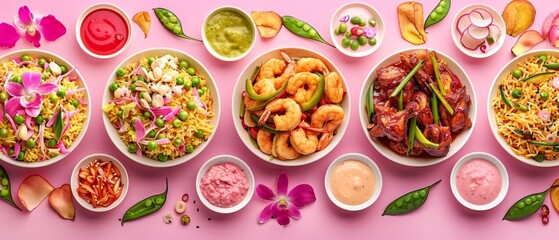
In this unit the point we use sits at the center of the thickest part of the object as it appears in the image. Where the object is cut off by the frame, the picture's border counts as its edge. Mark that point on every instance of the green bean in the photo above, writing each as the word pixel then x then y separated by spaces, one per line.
pixel 409 202
pixel 438 13
pixel 526 206
pixel 302 29
pixel 142 208
pixel 5 188
pixel 163 16
pixel 411 135
pixel 520 107
pixel 407 79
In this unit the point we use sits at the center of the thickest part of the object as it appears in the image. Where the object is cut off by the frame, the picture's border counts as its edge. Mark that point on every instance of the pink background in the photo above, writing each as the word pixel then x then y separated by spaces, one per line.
pixel 441 217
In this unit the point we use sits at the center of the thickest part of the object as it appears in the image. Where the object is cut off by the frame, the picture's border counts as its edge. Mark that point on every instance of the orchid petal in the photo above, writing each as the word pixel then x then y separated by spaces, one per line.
pixel 282 184
pixel 140 130
pixel 266 214
pixel 32 100
pixel 8 35
pixel 265 192
pixel 294 211
pixel 25 15
pixel 281 214
pixel 51 28
pixel 14 89
pixel 30 80
pixel 46 88
pixel 12 106
pixel 34 38
pixel 33 112
pixel 301 195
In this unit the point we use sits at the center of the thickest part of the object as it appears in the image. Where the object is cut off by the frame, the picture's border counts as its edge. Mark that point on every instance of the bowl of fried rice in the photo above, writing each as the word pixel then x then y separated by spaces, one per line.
pixel 161 107
pixel 44 108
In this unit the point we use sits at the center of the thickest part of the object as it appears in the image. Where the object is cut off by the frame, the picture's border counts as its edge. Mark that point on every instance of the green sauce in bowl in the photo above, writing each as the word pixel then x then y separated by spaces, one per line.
pixel 229 33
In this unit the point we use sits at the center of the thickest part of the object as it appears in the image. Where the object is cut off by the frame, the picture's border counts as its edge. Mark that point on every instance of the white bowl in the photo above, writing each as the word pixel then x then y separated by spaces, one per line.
pixel 107 95
pixel 361 9
pixel 106 6
pixel 411 161
pixel 240 88
pixel 232 160
pixel 207 43
pixel 497 20
pixel 491 159
pixel 81 84
pixel 494 91
pixel 84 163
pixel 363 159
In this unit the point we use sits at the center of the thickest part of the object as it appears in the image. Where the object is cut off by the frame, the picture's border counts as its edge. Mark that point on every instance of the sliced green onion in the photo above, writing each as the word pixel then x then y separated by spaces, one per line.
pixel 442 99
pixel 437 73
pixel 369 102
pixel 401 101
pixel 423 140
pixel 435 109
pixel 411 135
pixel 407 79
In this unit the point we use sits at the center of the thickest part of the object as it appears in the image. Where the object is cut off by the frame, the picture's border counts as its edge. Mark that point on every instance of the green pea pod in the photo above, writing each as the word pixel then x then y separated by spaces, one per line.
pixel 409 202
pixel 526 206
pixel 370 101
pixel 6 189
pixel 172 23
pixel 147 206
pixel 302 29
pixel 250 91
pixel 317 95
pixel 407 79
pixel 438 13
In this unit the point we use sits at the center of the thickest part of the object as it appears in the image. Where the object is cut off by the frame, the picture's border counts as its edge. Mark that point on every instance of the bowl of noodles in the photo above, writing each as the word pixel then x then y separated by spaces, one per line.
pixel 44 108
pixel 290 106
pixel 523 110
pixel 161 107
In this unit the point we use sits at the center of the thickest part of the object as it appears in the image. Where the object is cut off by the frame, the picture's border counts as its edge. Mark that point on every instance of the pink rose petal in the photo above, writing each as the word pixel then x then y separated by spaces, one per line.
pixel 51 28
pixel 8 35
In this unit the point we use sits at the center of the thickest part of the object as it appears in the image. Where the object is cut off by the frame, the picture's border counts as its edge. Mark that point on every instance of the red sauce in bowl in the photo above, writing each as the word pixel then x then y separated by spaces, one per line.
pixel 104 31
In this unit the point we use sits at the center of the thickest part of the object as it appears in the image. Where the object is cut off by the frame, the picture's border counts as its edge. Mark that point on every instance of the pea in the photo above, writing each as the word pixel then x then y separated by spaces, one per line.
pixel 21 156
pixel 164 20
pixel 362 23
pixel 342 28
pixel 177 29
pixel 200 92
pixel 299 23
pixel 25 58
pixel 521 205
pixel 152 145
pixel 132 148
pixel 205 89
pixel 195 81
pixel 189 149
pixel 542 58
pixel 3 132
pixel 148 203
pixel 355 20
pixel 372 22
pixel 404 203
pixel 151 60
pixel 113 87
pixel 30 143
pixel 372 41
pixel 177 123
pixel 120 72
pixel 173 19
pixel 415 195
pixel 439 9
pixel 179 81
pixel 39 119
pixel 162 157
pixel 61 93
pixel 169 26
pixel 140 78
pixel 44 76
pixel 18 119
pixel 11 152
pixel 161 136
pixel 199 133
pixel 16 79
pixel 183 64
pixel 141 95
pixel 147 114
pixel 177 142
pixel 132 87
pixel 348 35
pixel 187 85
pixel 63 69
pixel 433 15
pixel 159 201
pixel 3 96
pixel 306 27
pixel 185 219
pixel 119 114
pixel 516 93
pixel 159 122
pixel 362 40
pixel 407 198
pixel 151 134
pixel 190 105
pixel 42 62
pixel 190 71
pixel 5 181
pixel 422 193
pixel 4 192
pixel 354 45
pixel 52 142
pixel 53 98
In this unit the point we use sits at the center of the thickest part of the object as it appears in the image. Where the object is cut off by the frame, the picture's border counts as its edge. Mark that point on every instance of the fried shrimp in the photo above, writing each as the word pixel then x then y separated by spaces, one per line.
pixel 282 147
pixel 302 86
pixel 277 70
pixel 311 65
pixel 291 114
pixel 272 68
pixel 264 87
pixel 328 118
pixel 304 141
pixel 334 87
pixel 265 141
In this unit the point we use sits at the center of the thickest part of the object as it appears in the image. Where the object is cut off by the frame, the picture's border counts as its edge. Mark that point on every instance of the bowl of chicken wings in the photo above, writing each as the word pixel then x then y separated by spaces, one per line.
pixel 418 107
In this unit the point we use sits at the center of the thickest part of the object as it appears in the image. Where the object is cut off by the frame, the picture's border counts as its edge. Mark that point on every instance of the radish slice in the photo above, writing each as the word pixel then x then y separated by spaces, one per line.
pixel 478 32
pixel 494 32
pixel 479 20
pixel 484 12
pixel 470 42
pixel 463 23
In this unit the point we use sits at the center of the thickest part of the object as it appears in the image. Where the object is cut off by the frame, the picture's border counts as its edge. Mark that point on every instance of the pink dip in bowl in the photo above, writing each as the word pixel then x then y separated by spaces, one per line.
pixel 224 185
pixel 479 182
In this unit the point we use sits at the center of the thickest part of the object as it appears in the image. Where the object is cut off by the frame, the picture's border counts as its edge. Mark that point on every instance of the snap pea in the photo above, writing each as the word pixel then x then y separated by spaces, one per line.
pixel 146 207
pixel 5 188
pixel 409 202
pixel 407 79
pixel 438 13
pixel 302 29
pixel 165 16
pixel 526 206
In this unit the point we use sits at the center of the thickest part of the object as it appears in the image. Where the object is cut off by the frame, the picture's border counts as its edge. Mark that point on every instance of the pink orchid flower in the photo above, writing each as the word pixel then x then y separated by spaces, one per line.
pixel 34 27
pixel 28 95
pixel 286 205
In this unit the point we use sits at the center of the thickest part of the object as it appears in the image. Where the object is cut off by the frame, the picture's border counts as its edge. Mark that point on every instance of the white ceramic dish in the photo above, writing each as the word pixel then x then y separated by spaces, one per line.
pixel 240 88
pixel 207 43
pixel 219 160
pixel 84 163
pixel 361 9
pixel 200 69
pixel 494 91
pixel 367 161
pixel 497 20
pixel 458 142
pixel 97 7
pixel 491 159
pixel 81 83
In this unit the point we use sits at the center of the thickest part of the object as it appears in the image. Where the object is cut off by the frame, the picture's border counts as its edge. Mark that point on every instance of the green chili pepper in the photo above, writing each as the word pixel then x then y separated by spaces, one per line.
pixel 505 99
pixel 435 109
pixel 317 95
pixel 438 13
pixel 442 99
pixel 5 188
pixel 422 139
pixel 302 29
pixel 242 108
pixel 437 73
pixel 526 206
pixel 259 106
pixel 411 135
pixel 172 23
pixel 369 101
pixel 409 202
pixel 258 97
pixel 264 127
pixel 407 79
pixel 147 206
pixel 552 66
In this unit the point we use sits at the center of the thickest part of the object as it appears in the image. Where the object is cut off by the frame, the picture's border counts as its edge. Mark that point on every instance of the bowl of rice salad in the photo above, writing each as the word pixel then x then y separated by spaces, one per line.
pixel 44 104
pixel 161 107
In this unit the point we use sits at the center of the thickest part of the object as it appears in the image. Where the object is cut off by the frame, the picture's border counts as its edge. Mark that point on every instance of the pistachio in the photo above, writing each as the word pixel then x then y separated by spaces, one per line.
pixel 144 103
pixel 157 101
pixel 21 133
pixel 55 69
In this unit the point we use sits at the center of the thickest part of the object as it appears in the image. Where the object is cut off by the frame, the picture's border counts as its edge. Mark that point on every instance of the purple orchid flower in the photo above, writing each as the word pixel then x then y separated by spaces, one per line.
pixel 34 27
pixel 28 95
pixel 286 205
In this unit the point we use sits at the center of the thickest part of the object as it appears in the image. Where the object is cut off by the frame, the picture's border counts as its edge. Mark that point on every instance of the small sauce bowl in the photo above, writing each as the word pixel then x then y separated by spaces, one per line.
pixel 117 34
pixel 492 160
pixel 235 12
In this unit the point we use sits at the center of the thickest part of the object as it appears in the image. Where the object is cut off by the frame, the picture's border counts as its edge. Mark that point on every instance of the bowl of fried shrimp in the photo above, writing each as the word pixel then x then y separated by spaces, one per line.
pixel 522 108
pixel 413 114
pixel 290 106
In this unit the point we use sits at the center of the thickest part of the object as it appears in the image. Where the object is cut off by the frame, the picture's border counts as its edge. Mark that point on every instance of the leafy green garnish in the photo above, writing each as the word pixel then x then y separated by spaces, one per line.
pixel 58 125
